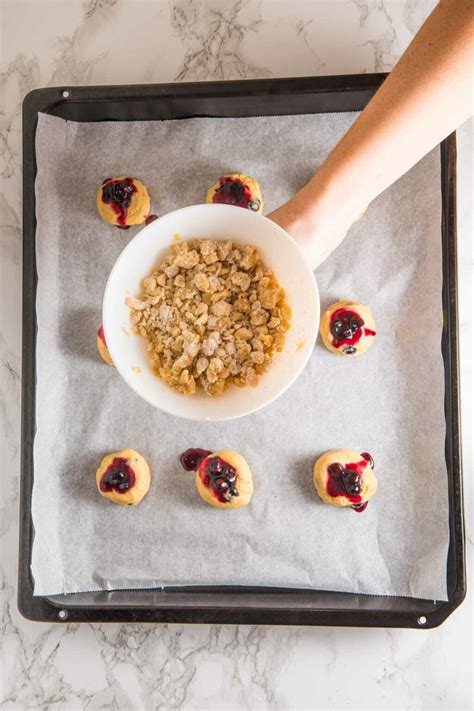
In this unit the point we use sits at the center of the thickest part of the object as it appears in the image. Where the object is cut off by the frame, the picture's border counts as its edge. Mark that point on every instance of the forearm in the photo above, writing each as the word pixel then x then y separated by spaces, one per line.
pixel 427 95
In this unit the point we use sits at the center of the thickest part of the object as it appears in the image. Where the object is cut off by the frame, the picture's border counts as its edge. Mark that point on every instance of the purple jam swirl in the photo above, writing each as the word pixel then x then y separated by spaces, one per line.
pixel 118 477
pixel 347 328
pixel 368 458
pixel 346 480
pixel 216 474
pixel 192 458
pixel 232 191
pixel 118 194
pixel 219 477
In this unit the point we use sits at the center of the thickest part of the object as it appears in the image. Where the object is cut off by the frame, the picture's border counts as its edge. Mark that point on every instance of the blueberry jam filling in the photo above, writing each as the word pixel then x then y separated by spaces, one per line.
pixel 101 335
pixel 351 482
pixel 118 477
pixel 192 458
pixel 347 328
pixel 118 194
pixel 358 508
pixel 234 192
pixel 220 477
pixel 368 458
pixel 346 480
pixel 119 191
pixel 254 205
pixel 345 325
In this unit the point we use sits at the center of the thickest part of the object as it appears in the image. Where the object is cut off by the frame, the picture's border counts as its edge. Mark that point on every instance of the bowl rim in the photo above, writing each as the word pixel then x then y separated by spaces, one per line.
pixel 107 302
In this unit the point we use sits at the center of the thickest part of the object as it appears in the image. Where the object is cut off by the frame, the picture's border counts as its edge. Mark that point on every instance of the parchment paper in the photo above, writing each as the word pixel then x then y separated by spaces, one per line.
pixel 389 402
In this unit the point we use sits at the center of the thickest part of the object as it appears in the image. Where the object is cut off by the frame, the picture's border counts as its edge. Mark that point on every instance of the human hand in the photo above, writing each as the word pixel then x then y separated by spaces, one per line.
pixel 317 225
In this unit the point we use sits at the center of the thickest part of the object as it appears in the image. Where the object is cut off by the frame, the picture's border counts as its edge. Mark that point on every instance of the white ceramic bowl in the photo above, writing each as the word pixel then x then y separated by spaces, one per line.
pixel 148 248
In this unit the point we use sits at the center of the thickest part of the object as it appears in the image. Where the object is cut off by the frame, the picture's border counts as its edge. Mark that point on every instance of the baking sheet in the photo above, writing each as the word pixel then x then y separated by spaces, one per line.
pixel 388 402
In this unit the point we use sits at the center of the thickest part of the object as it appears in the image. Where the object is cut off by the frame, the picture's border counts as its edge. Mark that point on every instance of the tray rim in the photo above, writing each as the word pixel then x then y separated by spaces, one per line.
pixel 43 608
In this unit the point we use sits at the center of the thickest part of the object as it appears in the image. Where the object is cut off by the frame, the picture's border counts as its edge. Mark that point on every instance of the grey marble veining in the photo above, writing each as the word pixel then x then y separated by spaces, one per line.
pixel 204 667
pixel 211 35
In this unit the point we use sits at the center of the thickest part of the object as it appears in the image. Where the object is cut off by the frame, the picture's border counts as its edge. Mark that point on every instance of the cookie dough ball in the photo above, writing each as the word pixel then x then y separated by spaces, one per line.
pixel 223 478
pixel 123 201
pixel 102 346
pixel 343 477
pixel 123 477
pixel 347 328
pixel 236 189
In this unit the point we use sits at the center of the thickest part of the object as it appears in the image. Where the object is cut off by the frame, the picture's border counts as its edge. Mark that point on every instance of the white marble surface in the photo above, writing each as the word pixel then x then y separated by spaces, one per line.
pixel 206 667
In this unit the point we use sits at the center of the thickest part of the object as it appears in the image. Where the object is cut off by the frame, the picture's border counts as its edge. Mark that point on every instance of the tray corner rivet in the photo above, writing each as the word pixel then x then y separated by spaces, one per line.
pixel 62 614
pixel 66 94
pixel 421 620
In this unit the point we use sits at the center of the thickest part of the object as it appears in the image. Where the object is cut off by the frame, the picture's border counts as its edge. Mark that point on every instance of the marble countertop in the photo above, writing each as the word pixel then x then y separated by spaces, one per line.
pixel 74 666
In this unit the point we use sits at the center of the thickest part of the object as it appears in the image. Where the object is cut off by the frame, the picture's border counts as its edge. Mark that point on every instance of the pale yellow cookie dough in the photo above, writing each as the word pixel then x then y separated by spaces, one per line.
pixel 140 467
pixel 136 212
pixel 102 347
pixel 342 456
pixel 243 484
pixel 360 215
pixel 366 339
pixel 251 183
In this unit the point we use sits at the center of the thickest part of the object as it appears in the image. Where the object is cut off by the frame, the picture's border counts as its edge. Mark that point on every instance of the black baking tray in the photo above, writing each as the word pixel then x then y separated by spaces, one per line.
pixel 249 605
